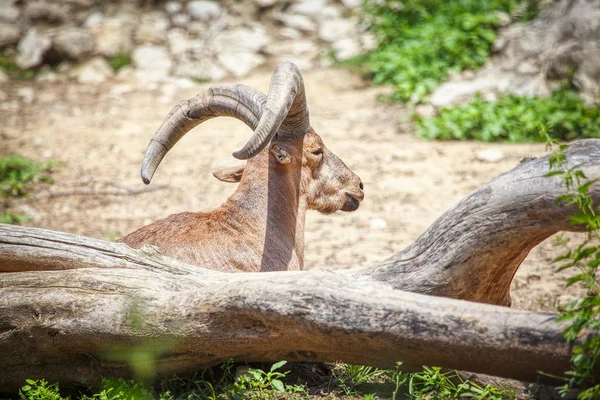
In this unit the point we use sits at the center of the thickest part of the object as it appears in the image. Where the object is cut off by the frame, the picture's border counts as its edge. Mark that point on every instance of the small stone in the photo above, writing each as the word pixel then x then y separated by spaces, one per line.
pixel 152 62
pixel 95 18
pixel 54 12
pixel 74 44
pixel 32 49
pixel 173 7
pixel 94 71
pixel 490 155
pixel 152 28
pixel 336 29
pixel 308 7
pixel 182 20
pixel 290 33
pixel 301 22
pixel 3 76
pixel 204 10
pixel 346 48
pixel 239 63
pixel 378 223
pixel 37 142
pixel 242 39
pixel 9 34
pixel 202 69
pixel 48 76
pixel 114 35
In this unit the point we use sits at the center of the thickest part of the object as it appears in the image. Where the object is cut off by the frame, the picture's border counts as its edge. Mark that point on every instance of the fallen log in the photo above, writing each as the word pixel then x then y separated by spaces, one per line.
pixel 73 307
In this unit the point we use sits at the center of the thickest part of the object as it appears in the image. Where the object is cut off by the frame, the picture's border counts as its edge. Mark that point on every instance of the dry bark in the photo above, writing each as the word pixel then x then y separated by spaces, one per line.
pixel 73 307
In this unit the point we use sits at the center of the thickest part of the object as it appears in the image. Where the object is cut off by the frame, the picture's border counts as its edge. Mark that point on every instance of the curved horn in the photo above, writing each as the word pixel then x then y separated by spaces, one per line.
pixel 285 113
pixel 238 101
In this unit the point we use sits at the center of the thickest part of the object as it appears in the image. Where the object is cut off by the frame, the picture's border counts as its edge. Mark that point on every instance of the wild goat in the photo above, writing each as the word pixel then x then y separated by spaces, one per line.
pixel 261 226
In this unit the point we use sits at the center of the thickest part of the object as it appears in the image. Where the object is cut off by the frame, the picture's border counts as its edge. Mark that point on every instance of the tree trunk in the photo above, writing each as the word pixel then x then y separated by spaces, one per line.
pixel 73 307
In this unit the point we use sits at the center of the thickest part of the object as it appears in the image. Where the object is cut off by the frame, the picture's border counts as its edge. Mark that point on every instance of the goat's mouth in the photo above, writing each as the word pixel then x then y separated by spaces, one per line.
pixel 351 203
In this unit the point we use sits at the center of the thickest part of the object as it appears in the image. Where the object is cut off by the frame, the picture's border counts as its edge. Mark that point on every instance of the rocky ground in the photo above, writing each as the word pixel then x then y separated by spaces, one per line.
pixel 97 135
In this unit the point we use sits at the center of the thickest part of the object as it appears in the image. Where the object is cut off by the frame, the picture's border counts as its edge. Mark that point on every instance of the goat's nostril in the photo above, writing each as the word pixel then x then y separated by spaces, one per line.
pixel 361 186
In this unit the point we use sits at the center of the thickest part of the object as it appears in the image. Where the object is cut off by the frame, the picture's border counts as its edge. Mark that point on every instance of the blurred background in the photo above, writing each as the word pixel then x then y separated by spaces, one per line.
pixel 425 100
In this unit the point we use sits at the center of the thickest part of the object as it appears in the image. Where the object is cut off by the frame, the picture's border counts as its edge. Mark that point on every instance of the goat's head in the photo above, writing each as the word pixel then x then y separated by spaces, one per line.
pixel 280 120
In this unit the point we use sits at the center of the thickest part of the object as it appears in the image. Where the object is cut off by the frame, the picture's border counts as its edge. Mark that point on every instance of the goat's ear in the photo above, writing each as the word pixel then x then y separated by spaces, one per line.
pixel 232 174
pixel 282 155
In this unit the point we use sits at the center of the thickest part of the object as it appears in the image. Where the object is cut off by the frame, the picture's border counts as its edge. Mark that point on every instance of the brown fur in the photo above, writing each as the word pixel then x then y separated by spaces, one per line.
pixel 261 226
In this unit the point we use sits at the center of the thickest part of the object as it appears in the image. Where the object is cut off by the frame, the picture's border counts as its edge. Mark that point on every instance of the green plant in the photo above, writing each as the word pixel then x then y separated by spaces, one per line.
pixel 119 61
pixel 420 42
pixel 9 66
pixel 10 217
pixel 40 390
pixel 450 385
pixel 515 119
pixel 257 379
pixel 18 173
pixel 583 314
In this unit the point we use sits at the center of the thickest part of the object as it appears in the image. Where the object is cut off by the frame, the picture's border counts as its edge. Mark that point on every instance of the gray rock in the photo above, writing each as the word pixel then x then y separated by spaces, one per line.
pixel 32 48
pixel 54 12
pixel 203 69
pixel 240 63
pixel 95 71
pixel 490 155
pixel 335 29
pixel 308 7
pixel 181 20
pixel 114 35
pixel 152 63
pixel 204 10
pixel 173 7
pixel 27 94
pixel 9 34
pixel 152 28
pixel 252 40
pixel 9 12
pixel 182 44
pixel 93 19
pixel 296 21
pixel 346 48
pixel 75 44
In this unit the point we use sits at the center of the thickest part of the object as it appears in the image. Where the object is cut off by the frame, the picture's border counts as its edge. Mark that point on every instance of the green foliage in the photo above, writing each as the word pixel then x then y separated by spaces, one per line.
pixel 40 390
pixel 13 71
pixel 119 61
pixel 431 382
pixel 515 119
pixel 449 385
pixel 18 173
pixel 583 314
pixel 422 41
pixel 13 218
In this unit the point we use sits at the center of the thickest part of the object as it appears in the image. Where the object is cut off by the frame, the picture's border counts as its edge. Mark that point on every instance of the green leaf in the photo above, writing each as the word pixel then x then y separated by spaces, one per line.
pixel 278 385
pixel 30 381
pixel 26 388
pixel 553 173
pixel 278 365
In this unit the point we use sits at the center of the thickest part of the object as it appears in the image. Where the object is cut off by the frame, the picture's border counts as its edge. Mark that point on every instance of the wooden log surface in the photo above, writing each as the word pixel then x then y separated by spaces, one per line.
pixel 73 307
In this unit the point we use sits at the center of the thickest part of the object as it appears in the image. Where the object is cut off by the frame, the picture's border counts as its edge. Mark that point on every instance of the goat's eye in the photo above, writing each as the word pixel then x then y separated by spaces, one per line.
pixel 317 152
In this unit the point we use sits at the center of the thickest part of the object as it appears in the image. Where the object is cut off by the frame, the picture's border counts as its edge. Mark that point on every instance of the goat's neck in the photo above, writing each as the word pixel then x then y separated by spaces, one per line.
pixel 270 202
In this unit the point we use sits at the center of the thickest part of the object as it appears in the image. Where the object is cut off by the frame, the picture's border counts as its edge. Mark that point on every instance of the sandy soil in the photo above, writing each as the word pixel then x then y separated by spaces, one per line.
pixel 99 134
